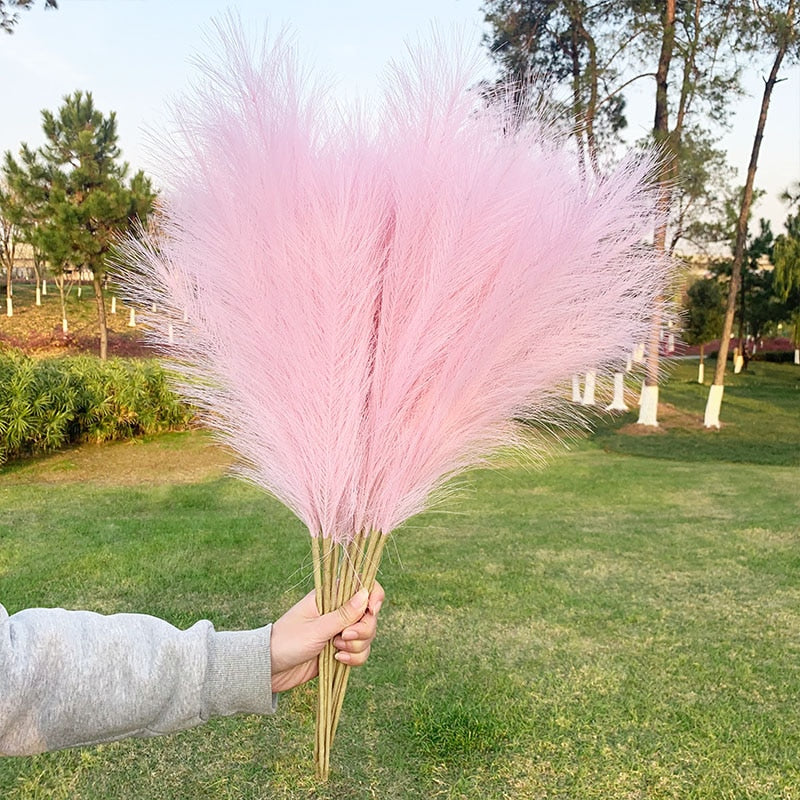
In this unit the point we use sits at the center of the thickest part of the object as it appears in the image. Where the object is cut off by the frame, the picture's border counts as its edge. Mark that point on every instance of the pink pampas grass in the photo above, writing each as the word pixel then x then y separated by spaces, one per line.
pixel 362 306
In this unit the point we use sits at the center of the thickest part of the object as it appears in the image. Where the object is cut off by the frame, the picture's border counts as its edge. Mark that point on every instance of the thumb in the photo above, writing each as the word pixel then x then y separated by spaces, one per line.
pixel 351 612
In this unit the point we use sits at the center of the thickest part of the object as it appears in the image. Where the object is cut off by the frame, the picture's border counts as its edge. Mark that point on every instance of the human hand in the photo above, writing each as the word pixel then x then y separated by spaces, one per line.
pixel 299 636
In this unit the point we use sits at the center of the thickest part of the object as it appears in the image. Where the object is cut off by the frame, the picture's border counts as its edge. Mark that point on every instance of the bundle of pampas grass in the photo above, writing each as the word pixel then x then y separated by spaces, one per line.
pixel 363 303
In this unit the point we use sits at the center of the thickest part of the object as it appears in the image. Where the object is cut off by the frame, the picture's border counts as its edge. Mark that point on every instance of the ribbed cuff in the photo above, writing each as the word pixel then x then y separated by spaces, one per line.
pixel 239 673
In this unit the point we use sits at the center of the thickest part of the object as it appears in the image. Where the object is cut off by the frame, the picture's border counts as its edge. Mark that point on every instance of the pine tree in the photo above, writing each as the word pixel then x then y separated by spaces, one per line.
pixel 77 192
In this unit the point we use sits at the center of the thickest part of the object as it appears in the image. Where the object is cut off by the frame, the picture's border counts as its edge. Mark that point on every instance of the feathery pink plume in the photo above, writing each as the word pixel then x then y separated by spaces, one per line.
pixel 370 304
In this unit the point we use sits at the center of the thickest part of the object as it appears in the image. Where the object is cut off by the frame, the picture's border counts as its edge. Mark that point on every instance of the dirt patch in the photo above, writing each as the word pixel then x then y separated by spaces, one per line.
pixel 57 343
pixel 36 330
pixel 669 418
pixel 188 457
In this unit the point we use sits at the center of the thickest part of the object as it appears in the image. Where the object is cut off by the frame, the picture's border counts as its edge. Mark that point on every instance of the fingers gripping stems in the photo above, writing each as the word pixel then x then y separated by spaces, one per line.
pixel 339 572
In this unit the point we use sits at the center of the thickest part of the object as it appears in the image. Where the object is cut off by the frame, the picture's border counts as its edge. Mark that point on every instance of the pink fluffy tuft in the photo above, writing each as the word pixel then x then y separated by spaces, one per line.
pixel 363 308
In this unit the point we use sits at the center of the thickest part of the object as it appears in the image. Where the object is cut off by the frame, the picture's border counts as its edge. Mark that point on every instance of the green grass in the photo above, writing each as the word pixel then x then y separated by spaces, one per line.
pixel 614 626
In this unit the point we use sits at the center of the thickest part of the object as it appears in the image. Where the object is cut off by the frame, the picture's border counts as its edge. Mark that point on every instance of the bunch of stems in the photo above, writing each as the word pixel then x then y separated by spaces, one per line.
pixel 340 570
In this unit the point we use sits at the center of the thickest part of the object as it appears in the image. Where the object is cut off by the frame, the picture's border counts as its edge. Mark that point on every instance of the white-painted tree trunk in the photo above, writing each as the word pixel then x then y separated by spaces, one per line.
pixel 576 389
pixel 38 295
pixel 185 316
pixel 629 364
pixel 738 363
pixel 44 287
pixel 701 372
pixel 132 319
pixel 589 387
pixel 618 401
pixel 80 291
pixel 9 307
pixel 154 308
pixel 638 353
pixel 648 406
pixel 713 405
pixel 64 325
pixel 671 344
pixel 113 304
pixel 796 356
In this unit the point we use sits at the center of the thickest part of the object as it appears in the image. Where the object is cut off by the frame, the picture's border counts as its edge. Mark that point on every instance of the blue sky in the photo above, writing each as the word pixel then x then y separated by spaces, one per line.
pixel 134 54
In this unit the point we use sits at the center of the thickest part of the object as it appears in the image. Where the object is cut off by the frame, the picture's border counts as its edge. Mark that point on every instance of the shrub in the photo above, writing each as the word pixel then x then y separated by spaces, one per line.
pixel 49 403
pixel 774 356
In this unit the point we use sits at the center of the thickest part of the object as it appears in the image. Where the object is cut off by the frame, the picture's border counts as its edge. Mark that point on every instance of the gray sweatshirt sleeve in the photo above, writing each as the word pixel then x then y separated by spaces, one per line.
pixel 70 678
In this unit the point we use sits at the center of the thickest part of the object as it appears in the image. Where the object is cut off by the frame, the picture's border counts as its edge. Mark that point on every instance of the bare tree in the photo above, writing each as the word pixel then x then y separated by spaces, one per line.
pixel 8 246
pixel 777 24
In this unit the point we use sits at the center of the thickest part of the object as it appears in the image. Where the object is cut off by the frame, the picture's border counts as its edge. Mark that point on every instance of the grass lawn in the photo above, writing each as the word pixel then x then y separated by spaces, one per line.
pixel 760 418
pixel 623 624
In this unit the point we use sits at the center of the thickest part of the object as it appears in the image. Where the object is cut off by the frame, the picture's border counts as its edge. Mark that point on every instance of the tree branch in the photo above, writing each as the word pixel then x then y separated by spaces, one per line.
pixel 612 95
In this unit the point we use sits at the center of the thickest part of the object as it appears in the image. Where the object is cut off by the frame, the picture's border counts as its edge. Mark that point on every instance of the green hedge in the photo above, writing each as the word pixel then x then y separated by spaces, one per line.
pixel 775 356
pixel 49 403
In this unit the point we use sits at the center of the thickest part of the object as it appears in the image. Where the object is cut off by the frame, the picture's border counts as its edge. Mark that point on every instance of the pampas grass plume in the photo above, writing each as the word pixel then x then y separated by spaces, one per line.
pixel 361 304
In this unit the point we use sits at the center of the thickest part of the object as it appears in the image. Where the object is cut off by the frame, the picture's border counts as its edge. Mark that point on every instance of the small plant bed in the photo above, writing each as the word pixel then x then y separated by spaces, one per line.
pixel 37 330
pixel 47 404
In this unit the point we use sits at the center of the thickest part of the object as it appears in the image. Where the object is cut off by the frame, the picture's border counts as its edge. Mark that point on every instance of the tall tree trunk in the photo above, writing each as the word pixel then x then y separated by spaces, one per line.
pixel 101 314
pixel 742 320
pixel 583 114
pixel 591 107
pixel 60 278
pixel 714 403
pixel 8 246
pixel 797 338
pixel 577 110
pixel 661 120
pixel 37 269
pixel 9 291
pixel 701 367
pixel 648 408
